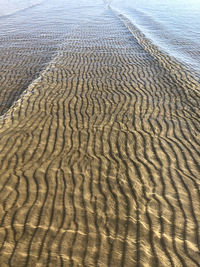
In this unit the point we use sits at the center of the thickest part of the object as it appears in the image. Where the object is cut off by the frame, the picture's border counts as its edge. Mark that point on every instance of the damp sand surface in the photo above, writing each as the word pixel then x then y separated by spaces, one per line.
pixel 99 144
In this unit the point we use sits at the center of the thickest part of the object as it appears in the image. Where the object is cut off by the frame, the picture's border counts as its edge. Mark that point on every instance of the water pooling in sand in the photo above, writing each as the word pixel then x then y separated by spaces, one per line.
pixel 172 25
pixel 99 143
pixel 9 7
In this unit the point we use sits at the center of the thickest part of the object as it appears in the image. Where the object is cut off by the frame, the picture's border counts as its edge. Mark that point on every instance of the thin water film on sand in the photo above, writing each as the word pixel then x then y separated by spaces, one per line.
pixel 99 143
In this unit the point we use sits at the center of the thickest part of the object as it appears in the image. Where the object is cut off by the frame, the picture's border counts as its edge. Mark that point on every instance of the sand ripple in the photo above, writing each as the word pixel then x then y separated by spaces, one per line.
pixel 99 155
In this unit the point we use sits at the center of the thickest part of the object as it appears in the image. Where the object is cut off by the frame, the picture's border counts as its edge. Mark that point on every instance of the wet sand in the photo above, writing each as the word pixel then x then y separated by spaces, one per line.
pixel 99 155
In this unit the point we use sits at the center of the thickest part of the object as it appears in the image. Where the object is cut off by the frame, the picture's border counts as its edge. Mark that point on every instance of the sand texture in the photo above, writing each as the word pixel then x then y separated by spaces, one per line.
pixel 99 152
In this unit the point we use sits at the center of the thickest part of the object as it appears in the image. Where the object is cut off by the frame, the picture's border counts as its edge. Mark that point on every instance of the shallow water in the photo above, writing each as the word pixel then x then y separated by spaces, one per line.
pixel 99 143
pixel 9 7
pixel 174 26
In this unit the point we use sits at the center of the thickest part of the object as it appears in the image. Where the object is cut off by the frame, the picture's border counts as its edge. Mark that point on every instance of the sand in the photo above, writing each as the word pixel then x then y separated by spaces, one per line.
pixel 99 153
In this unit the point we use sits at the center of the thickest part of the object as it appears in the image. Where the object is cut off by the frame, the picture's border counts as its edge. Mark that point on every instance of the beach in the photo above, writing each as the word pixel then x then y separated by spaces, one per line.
pixel 99 145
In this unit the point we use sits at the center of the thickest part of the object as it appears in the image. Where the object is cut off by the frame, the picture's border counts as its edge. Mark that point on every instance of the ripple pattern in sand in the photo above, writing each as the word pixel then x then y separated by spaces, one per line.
pixel 100 158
